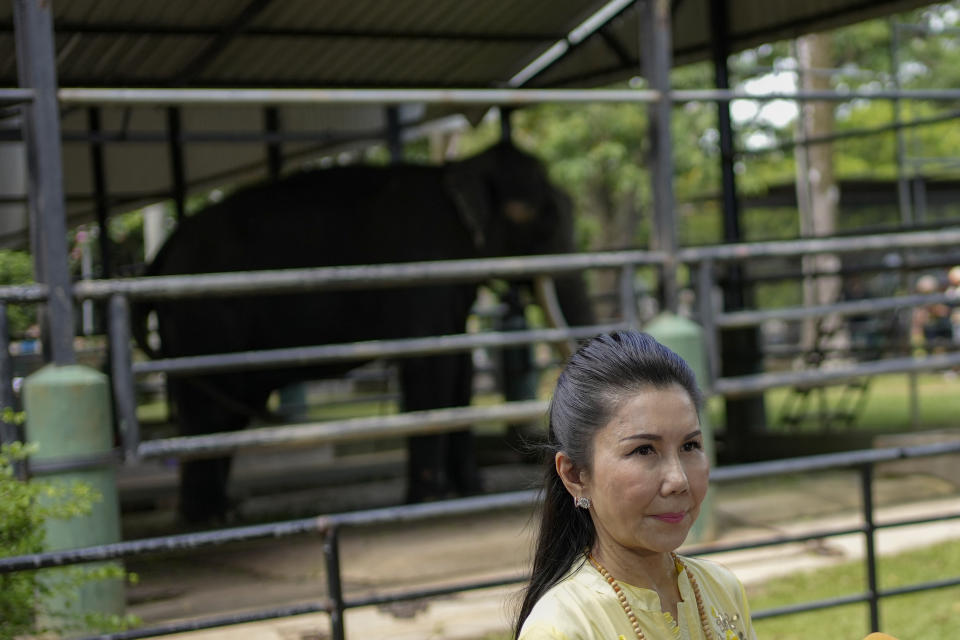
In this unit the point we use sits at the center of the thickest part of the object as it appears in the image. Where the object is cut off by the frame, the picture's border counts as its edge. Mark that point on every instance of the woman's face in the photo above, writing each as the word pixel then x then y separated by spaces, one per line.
pixel 648 473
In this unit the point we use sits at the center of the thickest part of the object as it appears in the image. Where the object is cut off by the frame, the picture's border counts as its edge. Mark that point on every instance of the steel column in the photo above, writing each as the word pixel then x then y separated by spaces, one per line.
pixel 177 171
pixel 870 555
pixel 271 123
pixel 8 430
pixel 739 347
pixel 331 551
pixel 36 66
pixel 394 131
pixel 121 371
pixel 657 58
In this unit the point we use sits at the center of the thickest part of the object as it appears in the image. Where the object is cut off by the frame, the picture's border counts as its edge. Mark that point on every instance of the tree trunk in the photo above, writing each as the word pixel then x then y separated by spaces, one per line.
pixel 817 192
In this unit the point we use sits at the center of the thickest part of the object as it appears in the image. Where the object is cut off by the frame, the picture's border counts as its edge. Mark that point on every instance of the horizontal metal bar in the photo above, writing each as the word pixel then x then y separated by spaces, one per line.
pixel 815 605
pixel 419 594
pixel 159 544
pixel 915 521
pixel 367 350
pixel 829 461
pixel 851 244
pixel 24 293
pixel 921 586
pixel 49 466
pixel 285 281
pixel 103 96
pixel 197 624
pixel 463 506
pixel 14 95
pixel 777 541
pixel 319 524
pixel 746 385
pixel 848 308
pixel 403 424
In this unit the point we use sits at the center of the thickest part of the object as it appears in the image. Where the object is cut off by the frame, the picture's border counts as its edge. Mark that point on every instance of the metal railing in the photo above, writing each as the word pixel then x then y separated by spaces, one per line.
pixel 703 261
pixel 335 603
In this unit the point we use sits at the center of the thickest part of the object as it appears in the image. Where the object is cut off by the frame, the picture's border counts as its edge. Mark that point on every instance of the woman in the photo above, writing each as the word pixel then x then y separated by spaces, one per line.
pixel 625 479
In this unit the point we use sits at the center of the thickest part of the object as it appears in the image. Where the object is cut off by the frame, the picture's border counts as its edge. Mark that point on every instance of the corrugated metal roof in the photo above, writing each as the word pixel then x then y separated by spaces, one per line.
pixel 335 43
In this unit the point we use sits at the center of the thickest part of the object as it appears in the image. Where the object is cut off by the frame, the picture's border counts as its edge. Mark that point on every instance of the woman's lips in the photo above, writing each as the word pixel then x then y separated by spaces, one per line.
pixel 671 518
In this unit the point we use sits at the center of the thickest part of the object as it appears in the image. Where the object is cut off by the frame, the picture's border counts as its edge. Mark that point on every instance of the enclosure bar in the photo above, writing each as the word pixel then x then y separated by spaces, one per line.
pixel 121 369
pixel 36 69
pixel 628 298
pixel 419 594
pixel 784 248
pixel 869 532
pixel 107 96
pixel 708 320
pixel 178 174
pixel 463 506
pixel 367 350
pixel 331 554
pixel 656 43
pixel 198 624
pixel 285 281
pixel 816 605
pixel 9 95
pixel 8 430
pixel 741 385
pixel 852 307
pixel 349 429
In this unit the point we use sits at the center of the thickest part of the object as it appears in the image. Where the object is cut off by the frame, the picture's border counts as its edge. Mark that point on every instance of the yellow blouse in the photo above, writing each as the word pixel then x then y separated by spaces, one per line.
pixel 583 606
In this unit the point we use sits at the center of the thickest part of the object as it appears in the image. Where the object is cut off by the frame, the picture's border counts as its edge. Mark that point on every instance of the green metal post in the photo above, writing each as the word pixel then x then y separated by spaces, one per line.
pixel 686 338
pixel 68 419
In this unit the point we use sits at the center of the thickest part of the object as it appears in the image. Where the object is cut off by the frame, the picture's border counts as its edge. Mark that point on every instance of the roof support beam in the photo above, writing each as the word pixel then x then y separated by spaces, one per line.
pixel 36 67
pixel 223 39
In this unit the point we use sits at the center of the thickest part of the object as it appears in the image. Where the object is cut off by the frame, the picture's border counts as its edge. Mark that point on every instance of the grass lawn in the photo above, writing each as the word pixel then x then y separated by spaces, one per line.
pixel 928 615
pixel 887 406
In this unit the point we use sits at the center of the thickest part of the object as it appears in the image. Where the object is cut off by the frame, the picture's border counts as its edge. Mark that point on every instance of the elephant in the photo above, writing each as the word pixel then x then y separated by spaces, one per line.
pixel 496 203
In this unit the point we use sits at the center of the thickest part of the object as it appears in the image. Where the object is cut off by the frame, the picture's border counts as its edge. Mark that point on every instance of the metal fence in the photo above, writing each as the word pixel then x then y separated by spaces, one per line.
pixel 335 603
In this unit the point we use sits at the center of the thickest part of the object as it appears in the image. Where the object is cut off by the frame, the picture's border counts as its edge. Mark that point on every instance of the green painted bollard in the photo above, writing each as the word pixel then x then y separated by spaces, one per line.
pixel 68 419
pixel 685 338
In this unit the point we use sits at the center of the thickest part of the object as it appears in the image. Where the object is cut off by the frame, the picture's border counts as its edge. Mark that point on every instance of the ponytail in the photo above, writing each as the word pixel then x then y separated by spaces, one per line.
pixel 566 531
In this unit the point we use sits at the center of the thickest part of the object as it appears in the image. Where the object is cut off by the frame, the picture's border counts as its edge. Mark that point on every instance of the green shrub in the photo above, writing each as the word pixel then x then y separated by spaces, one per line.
pixel 24 508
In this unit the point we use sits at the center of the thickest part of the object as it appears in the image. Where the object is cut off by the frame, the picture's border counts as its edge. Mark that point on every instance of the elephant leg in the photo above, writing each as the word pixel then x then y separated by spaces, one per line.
pixel 439 464
pixel 203 482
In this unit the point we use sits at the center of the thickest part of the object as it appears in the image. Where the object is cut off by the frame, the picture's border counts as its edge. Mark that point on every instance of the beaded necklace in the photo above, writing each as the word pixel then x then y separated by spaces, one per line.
pixel 627 609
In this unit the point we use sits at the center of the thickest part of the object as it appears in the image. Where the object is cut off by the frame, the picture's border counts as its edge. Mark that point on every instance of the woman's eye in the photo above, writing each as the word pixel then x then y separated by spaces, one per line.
pixel 643 450
pixel 693 445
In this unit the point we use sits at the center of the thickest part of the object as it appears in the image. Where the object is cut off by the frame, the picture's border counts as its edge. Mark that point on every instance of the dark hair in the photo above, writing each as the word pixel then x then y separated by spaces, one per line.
pixel 603 373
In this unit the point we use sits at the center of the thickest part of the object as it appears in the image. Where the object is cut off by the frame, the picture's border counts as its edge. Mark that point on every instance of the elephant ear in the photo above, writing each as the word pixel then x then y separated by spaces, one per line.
pixel 465 183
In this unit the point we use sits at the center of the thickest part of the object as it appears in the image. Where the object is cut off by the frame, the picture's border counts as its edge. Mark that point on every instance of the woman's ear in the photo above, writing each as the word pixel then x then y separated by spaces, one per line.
pixel 571 475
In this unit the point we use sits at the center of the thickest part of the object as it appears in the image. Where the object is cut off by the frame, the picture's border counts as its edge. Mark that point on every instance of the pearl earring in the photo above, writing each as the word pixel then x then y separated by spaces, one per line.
pixel 582 502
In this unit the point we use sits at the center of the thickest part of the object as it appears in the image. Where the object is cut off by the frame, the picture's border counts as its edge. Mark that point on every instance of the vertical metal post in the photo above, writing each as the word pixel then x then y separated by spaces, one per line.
pixel 36 66
pixel 657 59
pixel 735 351
pixel 177 171
pixel 506 126
pixel 100 193
pixel 121 373
pixel 271 122
pixel 331 551
pixel 903 181
pixel 394 143
pixel 866 491
pixel 8 430
pixel 705 315
pixel 628 297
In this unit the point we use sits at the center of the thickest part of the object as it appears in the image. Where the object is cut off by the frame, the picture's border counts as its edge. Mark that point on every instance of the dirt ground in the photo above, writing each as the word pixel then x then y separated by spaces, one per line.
pixel 444 551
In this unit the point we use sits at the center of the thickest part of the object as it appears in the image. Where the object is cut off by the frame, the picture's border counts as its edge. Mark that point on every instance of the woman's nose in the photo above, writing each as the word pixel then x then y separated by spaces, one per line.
pixel 674 478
